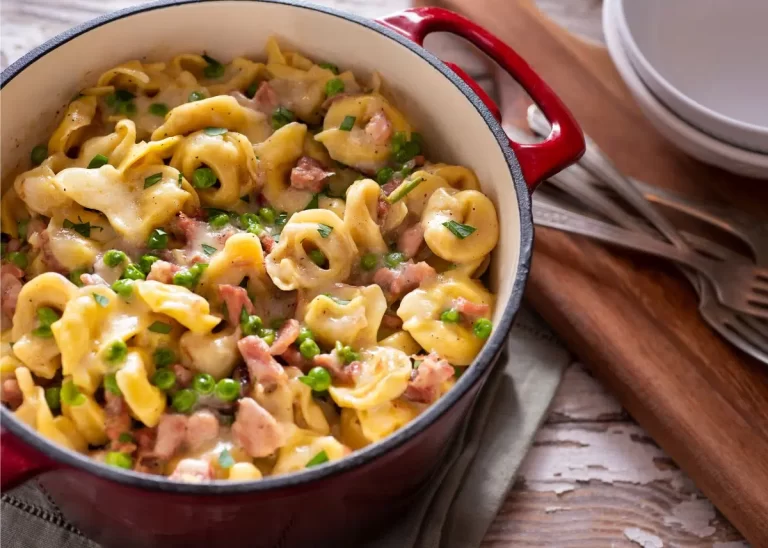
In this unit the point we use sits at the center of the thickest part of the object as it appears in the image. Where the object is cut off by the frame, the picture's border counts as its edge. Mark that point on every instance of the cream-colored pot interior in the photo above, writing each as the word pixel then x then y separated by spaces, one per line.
pixel 31 103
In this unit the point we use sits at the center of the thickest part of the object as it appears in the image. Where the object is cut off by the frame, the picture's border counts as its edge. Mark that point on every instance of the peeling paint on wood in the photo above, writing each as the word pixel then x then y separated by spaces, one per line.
pixel 643 538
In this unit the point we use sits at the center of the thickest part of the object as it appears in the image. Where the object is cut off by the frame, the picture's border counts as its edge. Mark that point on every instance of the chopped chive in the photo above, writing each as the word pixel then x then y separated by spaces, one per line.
pixel 348 123
pixel 84 229
pixel 334 87
pixel 152 180
pixel 459 230
pixel 400 192
pixel 324 230
pixel 320 458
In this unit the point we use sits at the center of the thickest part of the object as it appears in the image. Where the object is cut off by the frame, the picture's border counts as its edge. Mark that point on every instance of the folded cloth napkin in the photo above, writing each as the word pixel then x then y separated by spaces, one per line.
pixel 463 498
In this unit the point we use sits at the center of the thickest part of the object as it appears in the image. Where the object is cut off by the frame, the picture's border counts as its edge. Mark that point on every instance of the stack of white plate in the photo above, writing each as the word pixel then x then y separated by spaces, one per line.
pixel 699 71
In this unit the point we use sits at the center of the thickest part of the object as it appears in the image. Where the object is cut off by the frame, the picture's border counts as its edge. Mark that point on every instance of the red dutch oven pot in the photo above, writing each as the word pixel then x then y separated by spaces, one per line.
pixel 340 502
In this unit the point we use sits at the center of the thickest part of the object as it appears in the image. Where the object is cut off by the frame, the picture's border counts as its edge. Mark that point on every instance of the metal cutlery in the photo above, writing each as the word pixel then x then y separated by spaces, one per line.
pixel 744 332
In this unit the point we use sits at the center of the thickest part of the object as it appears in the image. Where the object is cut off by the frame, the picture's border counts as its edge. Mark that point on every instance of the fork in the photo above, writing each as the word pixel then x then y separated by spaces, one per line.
pixel 742 287
pixel 744 332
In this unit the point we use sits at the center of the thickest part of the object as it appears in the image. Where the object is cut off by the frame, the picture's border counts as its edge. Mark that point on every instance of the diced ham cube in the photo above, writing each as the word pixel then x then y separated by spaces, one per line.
pixel 424 386
pixel 344 374
pixel 202 428
pixel 405 278
pixel 183 375
pixel 10 287
pixel 236 298
pixel 255 430
pixel 309 174
pixel 286 336
pixel 192 471
pixel 92 279
pixel 267 242
pixel 470 310
pixel 171 434
pixel 293 357
pixel 410 240
pixel 50 260
pixel 11 394
pixel 379 128
pixel 118 417
pixel 262 367
pixel 264 100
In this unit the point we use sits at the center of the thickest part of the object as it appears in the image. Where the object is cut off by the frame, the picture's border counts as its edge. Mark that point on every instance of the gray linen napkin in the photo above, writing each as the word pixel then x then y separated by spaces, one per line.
pixel 466 493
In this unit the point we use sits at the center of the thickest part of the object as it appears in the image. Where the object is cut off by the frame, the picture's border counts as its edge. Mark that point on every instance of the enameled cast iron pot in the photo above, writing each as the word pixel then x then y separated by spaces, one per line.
pixel 336 502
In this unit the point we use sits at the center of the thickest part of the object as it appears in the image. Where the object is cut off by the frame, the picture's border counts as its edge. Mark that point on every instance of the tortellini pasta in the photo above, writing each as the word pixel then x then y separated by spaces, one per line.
pixel 230 269
pixel 289 264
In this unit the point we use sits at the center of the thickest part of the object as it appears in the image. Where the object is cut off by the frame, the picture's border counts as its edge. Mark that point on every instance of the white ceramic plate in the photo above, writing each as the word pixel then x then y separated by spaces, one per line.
pixel 705 60
pixel 686 137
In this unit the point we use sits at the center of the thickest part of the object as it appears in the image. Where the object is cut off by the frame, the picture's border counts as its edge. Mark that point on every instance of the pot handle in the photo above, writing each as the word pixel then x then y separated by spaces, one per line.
pixel 565 143
pixel 19 462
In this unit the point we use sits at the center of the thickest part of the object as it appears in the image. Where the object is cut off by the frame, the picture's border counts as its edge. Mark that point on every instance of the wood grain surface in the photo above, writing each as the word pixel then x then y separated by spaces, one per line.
pixel 593 478
pixel 635 320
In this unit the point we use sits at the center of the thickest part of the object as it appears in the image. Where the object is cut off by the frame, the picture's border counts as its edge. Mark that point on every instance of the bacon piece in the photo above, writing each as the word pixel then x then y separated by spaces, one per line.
pixel 202 428
pixel 389 188
pixel 293 357
pixel 236 298
pixel 262 367
pixel 92 279
pixel 424 386
pixel 309 174
pixel 379 128
pixel 145 438
pixel 470 310
pixel 267 242
pixel 171 433
pixel 337 369
pixel 403 279
pixel 118 417
pixel 266 99
pixel 382 209
pixel 149 463
pixel 186 227
pixel 183 375
pixel 286 336
pixel 163 271
pixel 10 287
pixel 192 471
pixel 11 394
pixel 419 160
pixel 410 240
pixel 391 321
pixel 49 258
pixel 35 226
pixel 255 430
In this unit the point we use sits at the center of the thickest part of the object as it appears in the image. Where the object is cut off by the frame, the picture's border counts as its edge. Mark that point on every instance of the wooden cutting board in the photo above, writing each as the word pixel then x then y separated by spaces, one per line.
pixel 632 319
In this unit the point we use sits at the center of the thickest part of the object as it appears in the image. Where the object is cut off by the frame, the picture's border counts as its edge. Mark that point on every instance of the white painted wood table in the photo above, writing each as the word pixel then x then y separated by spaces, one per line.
pixel 593 478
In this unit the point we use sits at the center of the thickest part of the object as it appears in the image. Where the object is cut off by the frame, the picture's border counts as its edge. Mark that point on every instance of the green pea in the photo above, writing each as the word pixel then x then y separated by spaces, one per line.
pixel 114 257
pixel 53 397
pixel 158 109
pixel 38 154
pixel 369 261
pixel 98 161
pixel 214 71
pixel 334 87
pixel 75 275
pixel 392 260
pixel 219 220
pixel 255 228
pixel 158 239
pixel 268 335
pixel 318 379
pixel 110 384
pixel 132 272
pixel 227 390
pixel 384 175
pixel 19 259
pixel 304 334
pixel 247 219
pixel 164 379
pixel 70 394
pixel 203 177
pixel 317 257
pixel 251 325
pixel 164 357
pixel 346 353
pixel 330 66
pixel 116 352
pixel 119 460
pixel 196 96
pixel 203 383
pixel 267 215
pixel 184 400
pixel 185 278
pixel 309 349
pixel 47 316
pixel 43 332
pixel 482 328
pixel 146 262
pixel 124 288
pixel 450 316
pixel 281 117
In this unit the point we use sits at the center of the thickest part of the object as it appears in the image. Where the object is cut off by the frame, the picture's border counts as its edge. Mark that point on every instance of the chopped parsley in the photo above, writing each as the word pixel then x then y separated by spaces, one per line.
pixel 152 180
pixel 101 300
pixel 324 230
pixel 84 229
pixel 459 230
pixel 208 249
pixel 160 327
